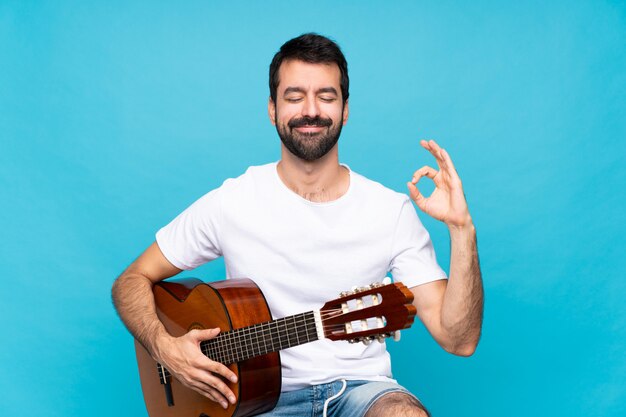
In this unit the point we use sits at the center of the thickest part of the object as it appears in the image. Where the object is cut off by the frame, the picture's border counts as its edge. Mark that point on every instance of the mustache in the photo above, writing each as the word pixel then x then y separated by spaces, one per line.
pixel 309 121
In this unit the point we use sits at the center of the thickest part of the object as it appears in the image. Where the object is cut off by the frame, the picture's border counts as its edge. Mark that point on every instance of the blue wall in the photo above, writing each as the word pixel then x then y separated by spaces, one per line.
pixel 114 116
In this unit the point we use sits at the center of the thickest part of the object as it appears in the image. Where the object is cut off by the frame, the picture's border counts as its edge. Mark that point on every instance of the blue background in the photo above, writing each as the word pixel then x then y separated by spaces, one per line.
pixel 114 116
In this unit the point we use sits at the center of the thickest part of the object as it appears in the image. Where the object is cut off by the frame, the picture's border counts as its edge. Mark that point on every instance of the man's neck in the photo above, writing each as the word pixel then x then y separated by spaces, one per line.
pixel 319 181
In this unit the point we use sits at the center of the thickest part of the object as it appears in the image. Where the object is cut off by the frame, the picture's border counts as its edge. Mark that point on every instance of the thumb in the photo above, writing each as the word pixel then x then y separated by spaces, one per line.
pixel 416 195
pixel 204 334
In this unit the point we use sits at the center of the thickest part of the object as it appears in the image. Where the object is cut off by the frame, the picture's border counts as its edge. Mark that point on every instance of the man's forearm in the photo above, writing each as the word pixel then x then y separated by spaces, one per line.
pixel 462 308
pixel 134 302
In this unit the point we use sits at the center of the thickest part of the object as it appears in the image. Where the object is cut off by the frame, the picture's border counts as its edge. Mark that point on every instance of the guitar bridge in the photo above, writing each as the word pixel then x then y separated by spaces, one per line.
pixel 165 377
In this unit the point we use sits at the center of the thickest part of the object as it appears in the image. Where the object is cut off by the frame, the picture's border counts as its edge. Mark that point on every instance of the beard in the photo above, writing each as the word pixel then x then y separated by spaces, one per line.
pixel 309 146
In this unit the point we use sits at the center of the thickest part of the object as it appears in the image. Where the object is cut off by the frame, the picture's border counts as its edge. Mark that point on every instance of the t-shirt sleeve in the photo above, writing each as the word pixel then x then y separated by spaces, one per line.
pixel 413 259
pixel 191 239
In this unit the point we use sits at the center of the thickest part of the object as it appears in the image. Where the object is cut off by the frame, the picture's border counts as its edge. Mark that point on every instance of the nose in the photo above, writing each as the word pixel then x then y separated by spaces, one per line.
pixel 310 107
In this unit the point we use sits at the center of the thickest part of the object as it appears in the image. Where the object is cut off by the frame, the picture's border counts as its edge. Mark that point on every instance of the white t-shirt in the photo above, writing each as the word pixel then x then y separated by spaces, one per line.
pixel 302 254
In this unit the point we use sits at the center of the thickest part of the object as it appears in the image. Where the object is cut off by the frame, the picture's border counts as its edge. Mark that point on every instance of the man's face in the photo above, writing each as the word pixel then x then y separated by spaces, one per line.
pixel 309 110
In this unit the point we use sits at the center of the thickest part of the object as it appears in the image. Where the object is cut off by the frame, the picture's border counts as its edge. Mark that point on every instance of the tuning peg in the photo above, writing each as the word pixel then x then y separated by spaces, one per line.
pixel 396 336
pixel 344 293
pixel 366 340
pixel 380 338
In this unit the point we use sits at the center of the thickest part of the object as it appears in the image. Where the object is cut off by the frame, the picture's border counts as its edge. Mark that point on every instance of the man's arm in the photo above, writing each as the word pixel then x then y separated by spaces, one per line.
pixel 134 302
pixel 451 310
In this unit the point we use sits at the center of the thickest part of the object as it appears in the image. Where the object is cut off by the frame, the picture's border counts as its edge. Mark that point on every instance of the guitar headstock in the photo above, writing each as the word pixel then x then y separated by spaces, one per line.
pixel 368 313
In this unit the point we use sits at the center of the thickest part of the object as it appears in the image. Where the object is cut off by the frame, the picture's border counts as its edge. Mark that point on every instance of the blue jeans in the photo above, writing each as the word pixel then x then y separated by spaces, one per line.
pixel 355 401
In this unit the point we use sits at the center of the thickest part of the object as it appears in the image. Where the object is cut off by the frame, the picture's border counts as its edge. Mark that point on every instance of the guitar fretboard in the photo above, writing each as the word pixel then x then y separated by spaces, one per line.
pixel 271 336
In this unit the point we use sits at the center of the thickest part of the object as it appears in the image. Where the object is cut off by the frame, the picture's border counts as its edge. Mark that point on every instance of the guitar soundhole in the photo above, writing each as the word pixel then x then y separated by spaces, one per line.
pixel 204 415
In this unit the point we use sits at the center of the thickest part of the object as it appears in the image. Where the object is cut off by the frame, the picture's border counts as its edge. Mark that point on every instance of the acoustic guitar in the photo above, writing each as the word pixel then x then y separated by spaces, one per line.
pixel 250 340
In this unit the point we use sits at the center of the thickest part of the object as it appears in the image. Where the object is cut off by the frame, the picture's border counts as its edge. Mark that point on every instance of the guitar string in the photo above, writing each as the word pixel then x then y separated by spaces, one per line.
pixel 221 348
pixel 253 330
pixel 233 351
pixel 275 324
pixel 211 347
pixel 274 328
pixel 297 322
pixel 274 333
pixel 270 328
pixel 227 357
pixel 235 337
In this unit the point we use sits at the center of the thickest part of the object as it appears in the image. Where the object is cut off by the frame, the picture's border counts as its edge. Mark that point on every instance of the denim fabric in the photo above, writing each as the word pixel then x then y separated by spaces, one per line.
pixel 354 402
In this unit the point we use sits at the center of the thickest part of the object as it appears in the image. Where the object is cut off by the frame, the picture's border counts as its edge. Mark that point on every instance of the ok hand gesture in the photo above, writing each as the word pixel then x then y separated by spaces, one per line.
pixel 447 202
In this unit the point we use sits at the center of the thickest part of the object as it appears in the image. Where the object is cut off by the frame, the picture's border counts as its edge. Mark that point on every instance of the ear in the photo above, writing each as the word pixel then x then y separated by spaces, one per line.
pixel 346 112
pixel 271 111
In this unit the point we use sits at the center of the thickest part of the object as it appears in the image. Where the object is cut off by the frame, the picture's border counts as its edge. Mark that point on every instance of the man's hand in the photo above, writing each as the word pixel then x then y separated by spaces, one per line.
pixel 182 357
pixel 447 203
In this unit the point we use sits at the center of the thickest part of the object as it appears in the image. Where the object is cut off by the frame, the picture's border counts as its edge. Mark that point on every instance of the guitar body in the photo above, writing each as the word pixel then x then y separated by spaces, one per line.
pixel 190 304
pixel 250 340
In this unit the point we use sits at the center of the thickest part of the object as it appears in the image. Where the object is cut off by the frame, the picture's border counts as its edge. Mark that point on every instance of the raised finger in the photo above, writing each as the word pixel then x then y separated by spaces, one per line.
pixel 448 161
pixel 435 150
pixel 438 153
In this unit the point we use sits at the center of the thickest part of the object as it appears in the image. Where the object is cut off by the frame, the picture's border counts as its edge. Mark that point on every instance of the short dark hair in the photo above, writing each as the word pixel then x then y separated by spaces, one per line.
pixel 314 49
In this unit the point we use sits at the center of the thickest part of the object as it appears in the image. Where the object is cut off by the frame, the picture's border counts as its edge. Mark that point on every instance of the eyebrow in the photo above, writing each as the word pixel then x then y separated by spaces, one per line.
pixel 322 90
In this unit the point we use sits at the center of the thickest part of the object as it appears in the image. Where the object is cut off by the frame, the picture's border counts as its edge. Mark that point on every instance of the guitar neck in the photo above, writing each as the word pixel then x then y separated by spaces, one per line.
pixel 271 336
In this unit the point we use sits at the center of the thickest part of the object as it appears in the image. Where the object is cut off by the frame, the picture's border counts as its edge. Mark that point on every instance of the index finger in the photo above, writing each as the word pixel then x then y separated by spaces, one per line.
pixel 207 362
pixel 219 369
pixel 213 380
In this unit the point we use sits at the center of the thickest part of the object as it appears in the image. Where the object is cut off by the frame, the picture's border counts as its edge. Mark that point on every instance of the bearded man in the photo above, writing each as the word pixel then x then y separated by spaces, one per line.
pixel 305 228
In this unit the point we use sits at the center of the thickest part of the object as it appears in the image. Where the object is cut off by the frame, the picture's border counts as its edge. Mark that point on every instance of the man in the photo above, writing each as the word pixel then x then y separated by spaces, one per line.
pixel 305 229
